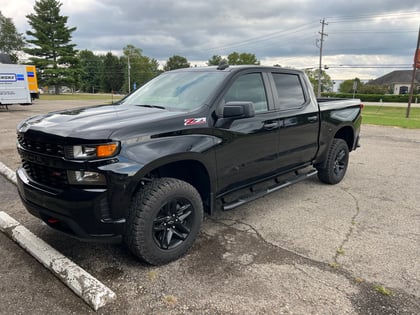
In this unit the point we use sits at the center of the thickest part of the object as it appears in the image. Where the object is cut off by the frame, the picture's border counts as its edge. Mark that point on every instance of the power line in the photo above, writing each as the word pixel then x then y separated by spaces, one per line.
pixel 373 31
pixel 351 18
pixel 253 40
pixel 303 27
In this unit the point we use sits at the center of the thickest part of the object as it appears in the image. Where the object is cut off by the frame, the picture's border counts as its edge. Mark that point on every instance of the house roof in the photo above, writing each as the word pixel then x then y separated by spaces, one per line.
pixel 4 58
pixel 397 76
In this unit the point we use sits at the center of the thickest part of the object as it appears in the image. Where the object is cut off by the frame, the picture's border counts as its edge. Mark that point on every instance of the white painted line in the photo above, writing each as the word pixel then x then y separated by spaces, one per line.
pixel 91 290
pixel 8 173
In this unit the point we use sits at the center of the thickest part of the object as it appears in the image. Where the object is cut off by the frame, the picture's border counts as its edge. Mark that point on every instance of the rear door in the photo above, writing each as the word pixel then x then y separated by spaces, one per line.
pixel 298 136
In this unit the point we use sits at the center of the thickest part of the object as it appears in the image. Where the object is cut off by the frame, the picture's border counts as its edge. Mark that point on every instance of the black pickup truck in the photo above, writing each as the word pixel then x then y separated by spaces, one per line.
pixel 144 171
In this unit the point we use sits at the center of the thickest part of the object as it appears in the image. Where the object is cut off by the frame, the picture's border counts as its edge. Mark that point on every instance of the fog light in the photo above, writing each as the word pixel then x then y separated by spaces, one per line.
pixel 85 178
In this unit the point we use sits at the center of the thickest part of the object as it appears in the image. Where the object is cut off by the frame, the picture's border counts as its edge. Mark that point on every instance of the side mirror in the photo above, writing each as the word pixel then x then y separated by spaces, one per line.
pixel 238 110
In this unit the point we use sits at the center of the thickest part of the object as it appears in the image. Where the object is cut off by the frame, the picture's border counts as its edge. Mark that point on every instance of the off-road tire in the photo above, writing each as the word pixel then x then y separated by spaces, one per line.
pixel 334 169
pixel 164 220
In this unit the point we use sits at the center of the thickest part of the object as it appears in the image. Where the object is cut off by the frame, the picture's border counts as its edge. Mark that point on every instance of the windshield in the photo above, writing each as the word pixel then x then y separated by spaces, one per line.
pixel 184 91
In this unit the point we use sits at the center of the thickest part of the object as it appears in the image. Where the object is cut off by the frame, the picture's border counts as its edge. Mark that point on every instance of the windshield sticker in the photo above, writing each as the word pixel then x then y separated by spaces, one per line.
pixel 194 121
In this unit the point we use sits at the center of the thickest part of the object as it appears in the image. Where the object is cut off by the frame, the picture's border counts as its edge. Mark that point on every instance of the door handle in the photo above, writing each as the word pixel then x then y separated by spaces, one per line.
pixel 271 125
pixel 313 118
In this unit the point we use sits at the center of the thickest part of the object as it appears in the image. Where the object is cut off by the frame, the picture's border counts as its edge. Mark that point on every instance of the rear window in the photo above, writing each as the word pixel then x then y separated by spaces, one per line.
pixel 289 90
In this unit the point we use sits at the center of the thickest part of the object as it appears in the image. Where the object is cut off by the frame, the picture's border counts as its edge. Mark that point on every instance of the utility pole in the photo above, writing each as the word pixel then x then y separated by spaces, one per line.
pixel 415 66
pixel 129 73
pixel 320 54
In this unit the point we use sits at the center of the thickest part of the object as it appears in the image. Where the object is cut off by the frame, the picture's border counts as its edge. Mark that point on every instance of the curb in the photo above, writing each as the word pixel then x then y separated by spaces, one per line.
pixel 10 175
pixel 88 288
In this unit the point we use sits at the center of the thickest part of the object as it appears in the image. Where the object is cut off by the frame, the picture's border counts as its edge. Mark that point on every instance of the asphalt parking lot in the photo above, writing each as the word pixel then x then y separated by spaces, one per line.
pixel 352 248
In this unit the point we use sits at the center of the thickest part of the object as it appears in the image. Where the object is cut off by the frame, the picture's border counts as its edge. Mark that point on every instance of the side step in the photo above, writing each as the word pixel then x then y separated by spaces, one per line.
pixel 258 194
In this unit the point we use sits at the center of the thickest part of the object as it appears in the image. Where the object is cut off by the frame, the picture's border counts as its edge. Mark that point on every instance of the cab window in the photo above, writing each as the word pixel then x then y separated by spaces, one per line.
pixel 249 88
pixel 289 90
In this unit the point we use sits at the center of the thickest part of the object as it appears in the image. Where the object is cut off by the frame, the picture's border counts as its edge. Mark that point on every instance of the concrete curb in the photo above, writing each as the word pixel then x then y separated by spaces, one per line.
pixel 10 175
pixel 91 290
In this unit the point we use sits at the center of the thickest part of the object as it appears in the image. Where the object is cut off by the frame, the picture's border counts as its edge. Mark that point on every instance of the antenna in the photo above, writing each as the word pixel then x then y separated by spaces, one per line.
pixel 222 65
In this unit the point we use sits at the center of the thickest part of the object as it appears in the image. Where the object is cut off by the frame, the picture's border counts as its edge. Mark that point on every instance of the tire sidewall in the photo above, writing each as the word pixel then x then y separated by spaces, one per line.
pixel 195 226
pixel 146 207
pixel 340 145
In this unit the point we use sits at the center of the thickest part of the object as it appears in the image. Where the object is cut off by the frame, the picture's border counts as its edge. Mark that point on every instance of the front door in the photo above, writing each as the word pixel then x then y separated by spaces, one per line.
pixel 249 148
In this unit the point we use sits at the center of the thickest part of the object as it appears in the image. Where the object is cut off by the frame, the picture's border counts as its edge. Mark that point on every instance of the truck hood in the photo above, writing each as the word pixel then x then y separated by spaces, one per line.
pixel 97 122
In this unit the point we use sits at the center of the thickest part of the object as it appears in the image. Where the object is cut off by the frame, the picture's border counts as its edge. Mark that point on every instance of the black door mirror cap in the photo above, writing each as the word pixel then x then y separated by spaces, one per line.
pixel 238 110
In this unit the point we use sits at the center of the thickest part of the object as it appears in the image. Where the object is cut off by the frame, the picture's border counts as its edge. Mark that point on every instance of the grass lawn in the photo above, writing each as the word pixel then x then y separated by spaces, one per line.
pixel 374 115
pixel 391 116
pixel 80 96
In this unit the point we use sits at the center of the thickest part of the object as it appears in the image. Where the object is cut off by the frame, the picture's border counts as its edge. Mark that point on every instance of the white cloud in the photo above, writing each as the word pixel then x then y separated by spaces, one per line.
pixel 359 32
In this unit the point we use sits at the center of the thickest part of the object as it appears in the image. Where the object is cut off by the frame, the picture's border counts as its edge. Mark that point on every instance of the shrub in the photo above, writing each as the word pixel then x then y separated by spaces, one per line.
pixel 402 98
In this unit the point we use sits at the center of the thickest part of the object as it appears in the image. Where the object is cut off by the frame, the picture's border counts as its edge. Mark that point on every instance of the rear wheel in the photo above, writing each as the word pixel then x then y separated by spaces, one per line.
pixel 164 220
pixel 334 169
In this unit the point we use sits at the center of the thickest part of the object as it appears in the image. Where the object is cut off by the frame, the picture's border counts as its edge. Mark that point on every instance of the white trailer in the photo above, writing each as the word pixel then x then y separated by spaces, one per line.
pixel 14 87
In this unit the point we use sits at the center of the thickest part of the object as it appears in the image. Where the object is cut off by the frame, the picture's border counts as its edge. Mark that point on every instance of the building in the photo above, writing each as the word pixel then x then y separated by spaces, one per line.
pixel 399 81
pixel 4 58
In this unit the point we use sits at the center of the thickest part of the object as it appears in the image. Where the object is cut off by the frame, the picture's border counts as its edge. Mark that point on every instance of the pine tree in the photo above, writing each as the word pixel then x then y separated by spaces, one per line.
pixel 10 40
pixel 91 71
pixel 113 73
pixel 51 48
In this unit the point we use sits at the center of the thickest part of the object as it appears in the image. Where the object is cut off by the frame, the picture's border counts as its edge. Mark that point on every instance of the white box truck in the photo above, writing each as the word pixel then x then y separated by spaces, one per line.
pixel 14 86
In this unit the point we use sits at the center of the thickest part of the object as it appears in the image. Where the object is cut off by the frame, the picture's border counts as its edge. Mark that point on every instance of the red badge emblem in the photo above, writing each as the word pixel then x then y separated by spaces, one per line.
pixel 194 121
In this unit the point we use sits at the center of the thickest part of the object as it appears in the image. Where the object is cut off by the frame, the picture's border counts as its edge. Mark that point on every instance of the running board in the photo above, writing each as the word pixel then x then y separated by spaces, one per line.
pixel 258 194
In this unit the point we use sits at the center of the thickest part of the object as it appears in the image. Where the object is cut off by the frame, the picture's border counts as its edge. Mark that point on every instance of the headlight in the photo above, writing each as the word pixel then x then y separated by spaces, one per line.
pixel 85 178
pixel 92 151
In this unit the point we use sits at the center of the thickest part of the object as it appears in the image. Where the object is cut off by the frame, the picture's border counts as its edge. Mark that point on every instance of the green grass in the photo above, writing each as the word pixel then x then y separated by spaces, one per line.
pixel 374 115
pixel 391 116
pixel 79 96
pixel 382 290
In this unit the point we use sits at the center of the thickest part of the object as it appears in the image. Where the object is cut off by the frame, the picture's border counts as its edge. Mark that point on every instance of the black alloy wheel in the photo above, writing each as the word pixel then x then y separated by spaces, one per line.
pixel 173 223
pixel 340 163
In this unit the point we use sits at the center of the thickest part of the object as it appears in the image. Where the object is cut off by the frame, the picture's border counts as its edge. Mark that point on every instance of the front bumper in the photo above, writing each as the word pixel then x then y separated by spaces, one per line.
pixel 80 213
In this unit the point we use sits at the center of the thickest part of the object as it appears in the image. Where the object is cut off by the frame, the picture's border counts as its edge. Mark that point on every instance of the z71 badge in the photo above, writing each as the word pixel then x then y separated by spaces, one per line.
pixel 194 121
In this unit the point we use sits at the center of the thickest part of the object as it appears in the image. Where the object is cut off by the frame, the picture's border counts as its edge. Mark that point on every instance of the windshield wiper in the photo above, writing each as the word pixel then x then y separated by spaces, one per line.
pixel 152 106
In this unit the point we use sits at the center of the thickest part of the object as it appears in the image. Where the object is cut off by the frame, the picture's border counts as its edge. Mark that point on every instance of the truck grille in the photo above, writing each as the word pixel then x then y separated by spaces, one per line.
pixel 45 175
pixel 40 147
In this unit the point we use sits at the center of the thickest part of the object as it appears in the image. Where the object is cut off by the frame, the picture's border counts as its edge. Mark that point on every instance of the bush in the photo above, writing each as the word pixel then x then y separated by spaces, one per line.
pixel 402 98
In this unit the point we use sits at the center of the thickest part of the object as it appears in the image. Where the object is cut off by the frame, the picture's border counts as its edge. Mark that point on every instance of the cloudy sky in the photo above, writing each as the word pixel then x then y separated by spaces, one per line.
pixel 365 38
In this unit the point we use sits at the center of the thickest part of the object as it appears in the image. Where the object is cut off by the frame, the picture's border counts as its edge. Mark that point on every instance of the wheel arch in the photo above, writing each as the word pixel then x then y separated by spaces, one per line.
pixel 346 133
pixel 191 171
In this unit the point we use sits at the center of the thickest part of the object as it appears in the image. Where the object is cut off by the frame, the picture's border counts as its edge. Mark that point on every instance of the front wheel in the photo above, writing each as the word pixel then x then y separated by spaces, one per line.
pixel 334 169
pixel 164 220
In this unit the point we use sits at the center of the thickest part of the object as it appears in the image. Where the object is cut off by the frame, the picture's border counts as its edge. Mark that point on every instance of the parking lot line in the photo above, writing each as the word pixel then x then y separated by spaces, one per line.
pixel 91 290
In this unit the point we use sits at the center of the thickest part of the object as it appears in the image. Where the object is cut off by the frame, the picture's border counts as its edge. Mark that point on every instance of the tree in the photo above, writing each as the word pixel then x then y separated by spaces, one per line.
pixel 91 71
pixel 142 68
pixel 326 82
pixel 242 59
pixel 216 60
pixel 347 86
pixel 373 89
pixel 113 73
pixel 176 62
pixel 51 48
pixel 10 40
